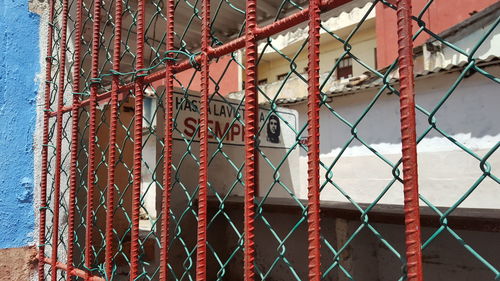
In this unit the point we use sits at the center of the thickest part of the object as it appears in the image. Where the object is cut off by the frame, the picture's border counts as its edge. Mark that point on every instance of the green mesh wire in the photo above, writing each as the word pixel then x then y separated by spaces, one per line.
pixel 277 252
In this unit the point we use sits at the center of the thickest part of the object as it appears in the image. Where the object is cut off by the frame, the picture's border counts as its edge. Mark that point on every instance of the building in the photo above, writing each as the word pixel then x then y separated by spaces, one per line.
pixel 437 66
pixel 364 25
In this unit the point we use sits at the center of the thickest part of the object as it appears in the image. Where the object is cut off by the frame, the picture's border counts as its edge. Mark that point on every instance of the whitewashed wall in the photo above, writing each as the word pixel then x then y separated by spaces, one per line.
pixel 470 116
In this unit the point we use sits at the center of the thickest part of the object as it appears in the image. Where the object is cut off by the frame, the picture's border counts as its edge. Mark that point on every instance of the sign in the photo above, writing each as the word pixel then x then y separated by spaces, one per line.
pixel 226 118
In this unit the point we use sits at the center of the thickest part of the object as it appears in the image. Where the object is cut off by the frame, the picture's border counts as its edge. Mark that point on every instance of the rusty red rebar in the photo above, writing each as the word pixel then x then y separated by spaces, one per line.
pixel 74 138
pixel 253 33
pixel 74 272
pixel 251 132
pixel 201 247
pixel 227 48
pixel 167 152
pixel 110 196
pixel 409 142
pixel 89 216
pixel 45 143
pixel 313 212
pixel 138 112
pixel 59 133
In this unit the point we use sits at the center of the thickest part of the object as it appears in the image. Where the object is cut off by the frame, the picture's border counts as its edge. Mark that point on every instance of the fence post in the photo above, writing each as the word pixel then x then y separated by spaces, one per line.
pixel 409 143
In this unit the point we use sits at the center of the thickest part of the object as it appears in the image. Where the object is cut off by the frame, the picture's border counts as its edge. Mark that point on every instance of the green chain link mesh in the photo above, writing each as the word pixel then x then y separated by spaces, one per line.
pixel 283 257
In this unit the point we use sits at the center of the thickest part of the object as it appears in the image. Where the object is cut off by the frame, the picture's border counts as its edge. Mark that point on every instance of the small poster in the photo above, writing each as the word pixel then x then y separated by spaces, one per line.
pixel 277 128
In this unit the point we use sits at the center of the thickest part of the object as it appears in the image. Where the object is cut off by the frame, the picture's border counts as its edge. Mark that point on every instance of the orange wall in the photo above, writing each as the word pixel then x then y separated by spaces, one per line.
pixel 227 84
pixel 441 15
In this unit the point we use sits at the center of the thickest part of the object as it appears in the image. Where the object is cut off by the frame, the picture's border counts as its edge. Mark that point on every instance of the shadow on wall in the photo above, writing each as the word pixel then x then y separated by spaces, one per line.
pixel 469 116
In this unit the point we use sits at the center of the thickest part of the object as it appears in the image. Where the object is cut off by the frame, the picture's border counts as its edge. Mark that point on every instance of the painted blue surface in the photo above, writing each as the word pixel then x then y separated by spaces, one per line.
pixel 19 63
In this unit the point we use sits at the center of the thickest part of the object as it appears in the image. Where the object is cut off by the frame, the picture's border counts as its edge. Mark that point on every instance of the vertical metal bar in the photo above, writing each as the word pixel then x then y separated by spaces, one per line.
pixel 251 130
pixel 136 187
pixel 74 138
pixel 408 137
pixel 167 151
pixel 59 132
pixel 313 213
pixel 92 133
pixel 45 143
pixel 110 202
pixel 201 252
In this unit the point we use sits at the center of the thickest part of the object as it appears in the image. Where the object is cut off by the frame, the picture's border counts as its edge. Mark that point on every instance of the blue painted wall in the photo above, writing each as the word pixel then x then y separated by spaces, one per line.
pixel 19 63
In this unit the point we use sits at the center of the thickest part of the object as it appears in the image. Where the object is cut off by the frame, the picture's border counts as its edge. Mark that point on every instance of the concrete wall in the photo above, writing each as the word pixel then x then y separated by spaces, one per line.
pixel 19 63
pixel 445 172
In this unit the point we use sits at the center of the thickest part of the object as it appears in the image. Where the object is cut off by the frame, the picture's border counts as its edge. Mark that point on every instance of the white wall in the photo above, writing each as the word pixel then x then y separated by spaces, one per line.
pixel 470 116
pixel 363 46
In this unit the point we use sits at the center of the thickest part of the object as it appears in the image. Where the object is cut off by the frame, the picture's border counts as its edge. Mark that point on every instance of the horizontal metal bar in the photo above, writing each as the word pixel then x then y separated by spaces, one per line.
pixel 75 272
pixel 236 44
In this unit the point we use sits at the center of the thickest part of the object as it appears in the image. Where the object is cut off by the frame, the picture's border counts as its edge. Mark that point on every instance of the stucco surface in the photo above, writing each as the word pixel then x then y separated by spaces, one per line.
pixel 18 65
pixel 17 264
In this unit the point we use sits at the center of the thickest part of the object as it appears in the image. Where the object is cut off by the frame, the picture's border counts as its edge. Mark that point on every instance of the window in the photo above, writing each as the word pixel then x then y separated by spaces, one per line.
pixel 262 82
pixel 344 68
pixel 282 76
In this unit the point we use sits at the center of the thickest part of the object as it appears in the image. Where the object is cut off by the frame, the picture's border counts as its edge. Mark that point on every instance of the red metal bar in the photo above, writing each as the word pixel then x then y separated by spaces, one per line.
pixel 167 151
pixel 313 216
pixel 136 186
pixel 409 142
pixel 74 138
pixel 45 143
pixel 92 134
pixel 251 131
pixel 74 272
pixel 201 252
pixel 110 202
pixel 231 46
pixel 59 132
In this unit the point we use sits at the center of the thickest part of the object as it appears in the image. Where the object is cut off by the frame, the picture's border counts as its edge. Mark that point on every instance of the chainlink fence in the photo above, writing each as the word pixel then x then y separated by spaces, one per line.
pixel 158 163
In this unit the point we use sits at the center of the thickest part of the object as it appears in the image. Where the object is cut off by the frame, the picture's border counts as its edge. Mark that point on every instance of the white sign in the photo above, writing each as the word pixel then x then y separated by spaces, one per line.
pixel 226 118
